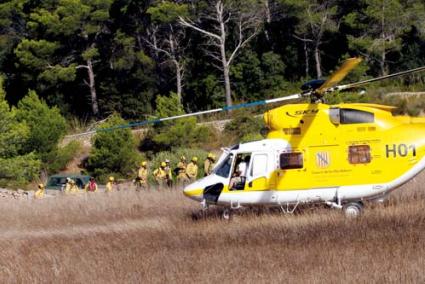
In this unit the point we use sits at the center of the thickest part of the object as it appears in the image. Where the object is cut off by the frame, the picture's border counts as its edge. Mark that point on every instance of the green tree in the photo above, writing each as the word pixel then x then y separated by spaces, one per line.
pixel 167 37
pixel 13 134
pixel 114 149
pixel 379 26
pixel 178 133
pixel 46 125
pixel 228 21
pixel 14 164
pixel 12 26
pixel 257 77
pixel 68 34
pixel 315 18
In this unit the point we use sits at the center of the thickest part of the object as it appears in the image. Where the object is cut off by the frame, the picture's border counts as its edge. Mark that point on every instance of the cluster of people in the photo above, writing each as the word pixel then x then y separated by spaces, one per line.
pixel 184 172
pixel 70 187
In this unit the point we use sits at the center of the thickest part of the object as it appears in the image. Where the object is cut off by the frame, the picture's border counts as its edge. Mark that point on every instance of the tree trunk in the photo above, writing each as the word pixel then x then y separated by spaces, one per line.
pixel 227 86
pixel 179 80
pixel 91 84
pixel 226 65
pixel 382 64
pixel 268 19
pixel 226 74
pixel 383 55
pixel 317 59
pixel 307 64
pixel 179 67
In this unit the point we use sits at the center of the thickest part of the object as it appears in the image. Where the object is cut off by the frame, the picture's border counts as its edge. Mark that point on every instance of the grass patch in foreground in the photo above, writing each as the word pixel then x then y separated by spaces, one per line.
pixel 150 237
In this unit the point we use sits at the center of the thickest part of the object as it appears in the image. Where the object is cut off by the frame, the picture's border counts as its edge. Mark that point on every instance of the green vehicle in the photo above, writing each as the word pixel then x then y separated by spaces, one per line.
pixel 56 183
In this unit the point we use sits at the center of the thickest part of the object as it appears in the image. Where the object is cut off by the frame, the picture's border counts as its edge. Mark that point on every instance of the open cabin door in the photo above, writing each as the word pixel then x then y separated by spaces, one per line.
pixel 258 176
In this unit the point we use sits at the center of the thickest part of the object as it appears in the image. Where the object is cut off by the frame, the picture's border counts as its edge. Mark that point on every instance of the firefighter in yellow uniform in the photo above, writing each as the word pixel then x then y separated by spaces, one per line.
pixel 142 176
pixel 40 191
pixel 169 173
pixel 74 187
pixel 110 184
pixel 160 175
pixel 71 187
pixel 192 169
pixel 209 164
pixel 67 189
pixel 182 178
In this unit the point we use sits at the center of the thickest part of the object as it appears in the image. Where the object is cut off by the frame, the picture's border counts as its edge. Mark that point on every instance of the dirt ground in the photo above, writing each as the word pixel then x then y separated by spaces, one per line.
pixel 130 237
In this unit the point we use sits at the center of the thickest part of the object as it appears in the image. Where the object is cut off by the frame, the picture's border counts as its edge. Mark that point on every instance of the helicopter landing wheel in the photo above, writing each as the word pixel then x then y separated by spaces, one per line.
pixel 226 215
pixel 353 209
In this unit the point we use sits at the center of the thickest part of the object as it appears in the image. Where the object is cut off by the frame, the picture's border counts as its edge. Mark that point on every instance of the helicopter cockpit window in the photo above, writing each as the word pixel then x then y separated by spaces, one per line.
pixel 351 116
pixel 223 169
pixel 359 154
pixel 292 160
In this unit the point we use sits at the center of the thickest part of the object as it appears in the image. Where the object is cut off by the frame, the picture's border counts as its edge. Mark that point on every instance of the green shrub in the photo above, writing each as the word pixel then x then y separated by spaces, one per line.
pixel 15 166
pixel 244 127
pixel 114 151
pixel 19 169
pixel 47 126
pixel 177 133
pixel 251 137
pixel 58 159
pixel 13 134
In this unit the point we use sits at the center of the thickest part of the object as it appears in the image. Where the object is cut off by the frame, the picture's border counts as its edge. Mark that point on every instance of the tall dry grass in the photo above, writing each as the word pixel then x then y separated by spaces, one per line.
pixel 150 237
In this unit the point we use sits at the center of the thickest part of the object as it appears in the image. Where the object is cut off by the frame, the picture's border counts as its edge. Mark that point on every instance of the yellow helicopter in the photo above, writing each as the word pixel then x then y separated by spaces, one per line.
pixel 340 155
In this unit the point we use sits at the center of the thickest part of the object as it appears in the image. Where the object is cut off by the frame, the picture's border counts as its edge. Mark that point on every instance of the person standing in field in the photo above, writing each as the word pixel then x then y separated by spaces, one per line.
pixel 71 187
pixel 110 184
pixel 192 169
pixel 74 188
pixel 40 191
pixel 209 164
pixel 91 186
pixel 68 185
pixel 169 173
pixel 182 178
pixel 161 175
pixel 142 176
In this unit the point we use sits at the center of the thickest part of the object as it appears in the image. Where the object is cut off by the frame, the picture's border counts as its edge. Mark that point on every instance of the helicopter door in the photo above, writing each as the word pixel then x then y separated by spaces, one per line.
pixel 240 172
pixel 258 172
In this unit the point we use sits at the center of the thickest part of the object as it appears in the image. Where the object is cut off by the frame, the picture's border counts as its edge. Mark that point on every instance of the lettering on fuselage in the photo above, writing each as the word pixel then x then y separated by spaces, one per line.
pixel 399 150
pixel 303 112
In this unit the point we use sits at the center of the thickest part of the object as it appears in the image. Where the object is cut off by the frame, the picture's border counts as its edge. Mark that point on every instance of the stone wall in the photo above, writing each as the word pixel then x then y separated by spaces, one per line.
pixel 85 138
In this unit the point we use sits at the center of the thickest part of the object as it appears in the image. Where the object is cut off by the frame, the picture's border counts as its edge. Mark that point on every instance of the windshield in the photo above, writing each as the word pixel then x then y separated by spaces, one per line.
pixel 223 169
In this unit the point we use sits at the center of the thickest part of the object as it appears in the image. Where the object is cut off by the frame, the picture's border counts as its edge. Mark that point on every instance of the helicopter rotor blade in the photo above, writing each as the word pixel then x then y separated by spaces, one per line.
pixel 338 75
pixel 226 108
pixel 357 84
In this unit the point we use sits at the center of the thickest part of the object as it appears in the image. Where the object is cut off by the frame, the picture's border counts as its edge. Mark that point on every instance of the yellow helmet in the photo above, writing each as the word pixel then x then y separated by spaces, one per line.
pixel 41 186
pixel 111 179
pixel 194 159
pixel 211 156
pixel 163 164
pixel 183 158
pixel 144 164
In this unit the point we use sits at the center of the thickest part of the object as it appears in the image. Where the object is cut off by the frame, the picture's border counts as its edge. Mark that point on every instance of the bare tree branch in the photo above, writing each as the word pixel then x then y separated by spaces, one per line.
pixel 185 23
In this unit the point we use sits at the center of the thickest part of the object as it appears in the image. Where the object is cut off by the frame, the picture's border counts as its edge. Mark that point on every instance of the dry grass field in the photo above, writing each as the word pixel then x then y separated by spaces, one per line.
pixel 148 237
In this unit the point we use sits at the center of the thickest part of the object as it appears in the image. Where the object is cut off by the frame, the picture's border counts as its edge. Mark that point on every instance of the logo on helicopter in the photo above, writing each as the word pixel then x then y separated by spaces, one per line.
pixel 323 159
pixel 305 112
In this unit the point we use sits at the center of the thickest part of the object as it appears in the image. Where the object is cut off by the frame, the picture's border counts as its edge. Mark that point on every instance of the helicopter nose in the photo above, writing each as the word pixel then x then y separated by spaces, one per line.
pixel 193 193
